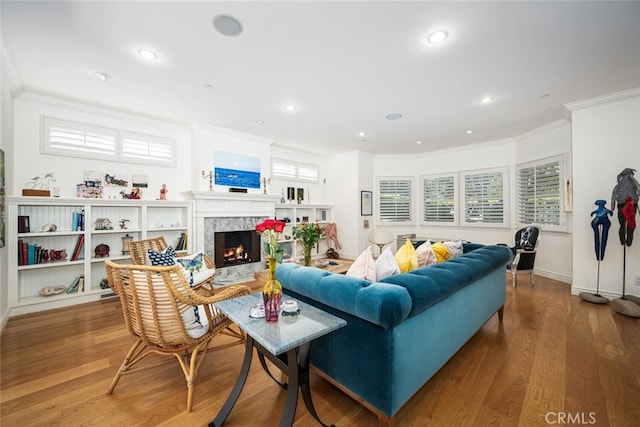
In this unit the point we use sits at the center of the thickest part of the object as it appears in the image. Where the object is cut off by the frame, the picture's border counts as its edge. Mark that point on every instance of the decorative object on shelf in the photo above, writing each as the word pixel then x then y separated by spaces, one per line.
pixel 123 224
pixel 282 197
pixel 291 194
pixel 366 207
pixel 135 194
pixel 308 234
pixel 210 176
pixel 163 192
pixel 102 250
pixel 102 224
pixel 272 290
pixel 104 283
pixel 600 224
pixel 300 195
pixel 52 290
pixel 265 181
pixel 49 227
pixel 23 224
pixel 39 186
pixel 626 194
pixel 126 239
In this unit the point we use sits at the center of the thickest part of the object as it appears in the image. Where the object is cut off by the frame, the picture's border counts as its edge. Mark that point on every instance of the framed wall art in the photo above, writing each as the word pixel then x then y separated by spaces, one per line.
pixel 366 204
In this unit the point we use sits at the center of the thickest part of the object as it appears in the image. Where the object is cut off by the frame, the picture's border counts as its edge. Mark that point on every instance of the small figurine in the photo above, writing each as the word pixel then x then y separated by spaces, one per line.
pixel 135 193
pixel 123 224
pixel 163 192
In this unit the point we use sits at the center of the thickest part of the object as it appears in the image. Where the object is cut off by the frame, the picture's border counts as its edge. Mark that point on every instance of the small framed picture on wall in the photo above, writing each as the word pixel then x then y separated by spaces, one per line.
pixel 366 203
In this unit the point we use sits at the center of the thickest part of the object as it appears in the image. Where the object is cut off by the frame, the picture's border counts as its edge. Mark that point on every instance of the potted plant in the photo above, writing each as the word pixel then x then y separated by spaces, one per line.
pixel 308 234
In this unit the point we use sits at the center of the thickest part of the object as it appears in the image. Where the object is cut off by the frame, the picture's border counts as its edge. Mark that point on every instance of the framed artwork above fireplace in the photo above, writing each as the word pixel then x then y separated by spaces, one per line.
pixel 236 170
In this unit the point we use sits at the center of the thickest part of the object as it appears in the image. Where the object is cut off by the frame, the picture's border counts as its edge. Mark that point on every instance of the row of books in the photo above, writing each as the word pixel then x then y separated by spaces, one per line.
pixel 78 253
pixel 181 242
pixel 30 254
pixel 77 221
pixel 77 285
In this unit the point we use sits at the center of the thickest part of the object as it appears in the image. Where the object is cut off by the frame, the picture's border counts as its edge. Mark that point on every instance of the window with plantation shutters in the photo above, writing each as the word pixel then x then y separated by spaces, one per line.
pixel 540 193
pixel 438 199
pixel 485 197
pixel 286 169
pixel 395 200
pixel 89 141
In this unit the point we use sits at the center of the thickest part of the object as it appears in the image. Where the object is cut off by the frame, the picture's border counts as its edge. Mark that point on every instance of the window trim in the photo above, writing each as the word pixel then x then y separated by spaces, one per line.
pixel 379 205
pixel 119 135
pixel 297 166
pixel 562 180
pixel 506 205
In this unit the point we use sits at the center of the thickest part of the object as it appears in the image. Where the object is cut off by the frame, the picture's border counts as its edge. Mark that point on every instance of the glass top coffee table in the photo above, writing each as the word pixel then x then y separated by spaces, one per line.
pixel 286 343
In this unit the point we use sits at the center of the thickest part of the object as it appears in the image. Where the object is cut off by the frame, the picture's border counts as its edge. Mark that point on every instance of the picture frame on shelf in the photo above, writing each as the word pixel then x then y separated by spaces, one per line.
pixel 366 203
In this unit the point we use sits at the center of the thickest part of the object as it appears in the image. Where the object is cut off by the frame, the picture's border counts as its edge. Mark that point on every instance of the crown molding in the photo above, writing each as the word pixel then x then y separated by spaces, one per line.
pixel 604 99
pixel 542 129
pixel 8 69
pixel 206 127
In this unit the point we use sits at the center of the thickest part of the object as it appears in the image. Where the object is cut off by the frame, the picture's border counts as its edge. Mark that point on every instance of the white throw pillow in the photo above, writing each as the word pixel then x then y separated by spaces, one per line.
pixel 364 266
pixel 386 265
pixel 194 264
pixel 425 254
pixel 454 247
pixel 194 328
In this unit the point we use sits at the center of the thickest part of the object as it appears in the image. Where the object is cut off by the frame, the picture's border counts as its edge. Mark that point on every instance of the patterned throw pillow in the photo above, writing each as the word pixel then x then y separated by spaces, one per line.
pixel 164 258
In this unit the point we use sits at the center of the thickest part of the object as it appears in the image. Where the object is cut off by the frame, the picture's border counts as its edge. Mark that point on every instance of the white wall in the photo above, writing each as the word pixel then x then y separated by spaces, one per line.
pixel 554 258
pixel 606 140
pixel 29 108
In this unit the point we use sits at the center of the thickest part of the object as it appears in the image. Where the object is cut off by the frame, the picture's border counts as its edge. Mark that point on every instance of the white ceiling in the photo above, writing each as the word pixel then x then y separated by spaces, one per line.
pixel 345 65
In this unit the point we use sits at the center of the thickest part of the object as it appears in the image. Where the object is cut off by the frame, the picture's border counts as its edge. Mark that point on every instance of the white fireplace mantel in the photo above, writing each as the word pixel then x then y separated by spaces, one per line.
pixel 211 204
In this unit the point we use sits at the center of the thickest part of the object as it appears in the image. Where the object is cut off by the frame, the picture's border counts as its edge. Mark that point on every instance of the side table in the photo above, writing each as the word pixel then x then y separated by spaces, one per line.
pixel 286 343
pixel 341 266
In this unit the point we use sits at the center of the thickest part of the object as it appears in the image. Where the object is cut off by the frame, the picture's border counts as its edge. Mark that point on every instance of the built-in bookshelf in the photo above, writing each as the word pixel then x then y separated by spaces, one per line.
pixel 52 242
pixel 294 214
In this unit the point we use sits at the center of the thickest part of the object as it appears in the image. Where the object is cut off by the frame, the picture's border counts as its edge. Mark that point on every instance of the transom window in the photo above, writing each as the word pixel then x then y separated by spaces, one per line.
pixel 286 169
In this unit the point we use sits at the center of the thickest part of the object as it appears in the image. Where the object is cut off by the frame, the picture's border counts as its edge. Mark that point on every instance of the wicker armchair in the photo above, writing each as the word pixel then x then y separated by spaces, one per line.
pixel 138 253
pixel 156 302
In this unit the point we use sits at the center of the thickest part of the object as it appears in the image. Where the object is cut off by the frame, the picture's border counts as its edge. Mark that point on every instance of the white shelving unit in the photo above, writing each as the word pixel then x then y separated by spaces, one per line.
pixel 295 214
pixel 146 219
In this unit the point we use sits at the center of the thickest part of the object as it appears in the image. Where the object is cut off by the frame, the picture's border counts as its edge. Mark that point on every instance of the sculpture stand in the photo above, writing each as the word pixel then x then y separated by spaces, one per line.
pixel 625 305
pixel 595 298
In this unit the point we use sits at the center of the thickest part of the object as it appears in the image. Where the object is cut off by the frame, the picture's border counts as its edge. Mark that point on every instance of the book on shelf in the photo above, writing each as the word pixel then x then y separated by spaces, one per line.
pixel 181 242
pixel 73 287
pixel 31 254
pixel 77 250
pixel 77 221
pixel 81 283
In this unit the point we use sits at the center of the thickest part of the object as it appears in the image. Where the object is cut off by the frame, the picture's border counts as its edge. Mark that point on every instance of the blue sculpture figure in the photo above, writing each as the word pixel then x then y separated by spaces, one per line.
pixel 600 224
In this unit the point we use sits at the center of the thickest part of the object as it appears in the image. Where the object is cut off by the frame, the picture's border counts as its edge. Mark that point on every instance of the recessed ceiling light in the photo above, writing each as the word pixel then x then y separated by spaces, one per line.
pixel 437 37
pixel 260 122
pixel 290 108
pixel 486 100
pixel 469 132
pixel 361 134
pixel 102 76
pixel 544 95
pixel 148 54
pixel 207 86
pixel 418 142
pixel 227 25
pixel 393 116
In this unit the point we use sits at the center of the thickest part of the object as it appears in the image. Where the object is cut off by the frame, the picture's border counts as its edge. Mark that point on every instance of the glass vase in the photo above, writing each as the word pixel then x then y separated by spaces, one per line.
pixel 272 294
pixel 307 257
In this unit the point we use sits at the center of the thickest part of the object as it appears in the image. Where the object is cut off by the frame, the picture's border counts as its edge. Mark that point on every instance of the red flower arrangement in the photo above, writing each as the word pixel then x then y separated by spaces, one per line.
pixel 271 229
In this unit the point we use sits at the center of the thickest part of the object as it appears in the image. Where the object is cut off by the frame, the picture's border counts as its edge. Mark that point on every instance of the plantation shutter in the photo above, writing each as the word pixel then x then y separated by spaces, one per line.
pixel 75 137
pixel 395 200
pixel 150 149
pixel 291 170
pixel 484 198
pixel 308 173
pixel 539 194
pixel 439 198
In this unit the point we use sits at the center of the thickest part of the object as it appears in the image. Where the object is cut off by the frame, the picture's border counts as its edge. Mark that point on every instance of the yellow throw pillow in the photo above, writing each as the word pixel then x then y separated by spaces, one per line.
pixel 442 254
pixel 406 257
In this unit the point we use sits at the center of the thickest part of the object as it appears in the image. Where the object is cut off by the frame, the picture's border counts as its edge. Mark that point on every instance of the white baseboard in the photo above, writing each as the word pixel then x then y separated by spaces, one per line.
pixel 551 275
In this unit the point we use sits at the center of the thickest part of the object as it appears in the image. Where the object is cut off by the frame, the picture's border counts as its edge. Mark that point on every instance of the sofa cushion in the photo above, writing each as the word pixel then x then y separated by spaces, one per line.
pixel 441 252
pixel 406 257
pixel 364 266
pixel 425 254
pixel 429 285
pixel 386 265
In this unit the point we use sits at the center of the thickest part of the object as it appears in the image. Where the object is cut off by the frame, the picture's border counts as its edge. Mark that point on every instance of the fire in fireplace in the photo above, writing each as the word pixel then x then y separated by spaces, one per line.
pixel 236 247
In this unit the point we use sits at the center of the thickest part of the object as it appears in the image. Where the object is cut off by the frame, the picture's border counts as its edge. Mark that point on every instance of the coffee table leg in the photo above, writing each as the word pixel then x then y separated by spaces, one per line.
pixel 305 387
pixel 289 412
pixel 237 389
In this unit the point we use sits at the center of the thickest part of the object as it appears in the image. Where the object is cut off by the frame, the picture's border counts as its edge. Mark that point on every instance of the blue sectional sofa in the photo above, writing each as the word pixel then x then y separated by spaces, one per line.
pixel 402 330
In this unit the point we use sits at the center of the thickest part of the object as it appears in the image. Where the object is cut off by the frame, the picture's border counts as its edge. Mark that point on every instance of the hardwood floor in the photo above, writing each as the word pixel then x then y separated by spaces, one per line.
pixel 555 359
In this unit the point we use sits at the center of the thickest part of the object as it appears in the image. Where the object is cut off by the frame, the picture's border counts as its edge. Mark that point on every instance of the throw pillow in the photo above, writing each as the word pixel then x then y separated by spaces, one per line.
pixel 165 257
pixel 441 252
pixel 363 267
pixel 406 257
pixel 194 269
pixel 454 248
pixel 195 321
pixel 425 254
pixel 386 265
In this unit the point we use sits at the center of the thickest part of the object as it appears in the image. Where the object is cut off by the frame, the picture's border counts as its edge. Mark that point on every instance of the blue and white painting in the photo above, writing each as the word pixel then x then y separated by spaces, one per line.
pixel 236 170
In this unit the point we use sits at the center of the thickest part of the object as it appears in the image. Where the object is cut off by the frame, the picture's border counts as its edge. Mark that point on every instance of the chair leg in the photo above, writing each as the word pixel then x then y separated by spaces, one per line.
pixel 194 360
pixel 532 281
pixel 124 367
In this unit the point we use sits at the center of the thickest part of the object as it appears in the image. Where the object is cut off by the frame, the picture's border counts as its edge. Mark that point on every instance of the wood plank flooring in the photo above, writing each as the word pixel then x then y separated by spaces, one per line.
pixel 555 359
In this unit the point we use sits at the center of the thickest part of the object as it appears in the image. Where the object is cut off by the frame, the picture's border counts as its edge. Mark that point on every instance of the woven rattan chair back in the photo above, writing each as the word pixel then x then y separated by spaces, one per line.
pixel 154 300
